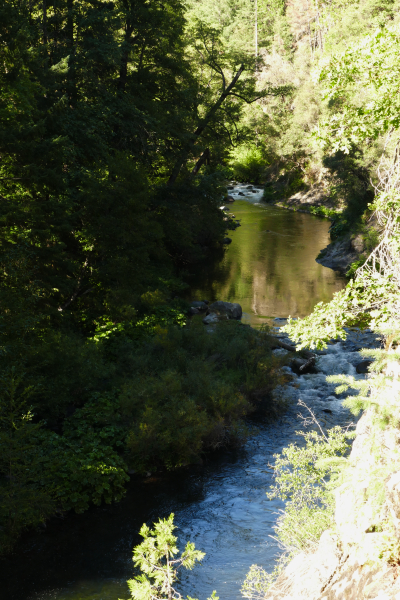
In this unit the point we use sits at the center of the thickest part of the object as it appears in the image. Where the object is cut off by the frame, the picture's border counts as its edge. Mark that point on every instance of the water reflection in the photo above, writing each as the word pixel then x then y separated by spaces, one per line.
pixel 270 266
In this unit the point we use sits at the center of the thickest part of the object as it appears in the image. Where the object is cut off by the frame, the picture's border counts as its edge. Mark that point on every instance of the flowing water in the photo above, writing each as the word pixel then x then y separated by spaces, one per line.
pixel 221 506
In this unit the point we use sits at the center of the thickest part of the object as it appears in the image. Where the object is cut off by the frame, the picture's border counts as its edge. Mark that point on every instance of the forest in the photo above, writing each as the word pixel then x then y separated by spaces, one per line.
pixel 120 124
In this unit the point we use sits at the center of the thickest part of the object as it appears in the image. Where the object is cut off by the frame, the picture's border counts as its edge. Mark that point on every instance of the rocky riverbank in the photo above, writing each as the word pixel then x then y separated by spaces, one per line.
pixel 342 252
pixel 359 556
pixel 338 255
pixel 356 559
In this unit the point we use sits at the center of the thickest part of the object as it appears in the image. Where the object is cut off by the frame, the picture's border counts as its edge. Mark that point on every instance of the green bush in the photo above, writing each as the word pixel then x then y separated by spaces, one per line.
pixel 192 390
pixel 305 477
pixel 163 398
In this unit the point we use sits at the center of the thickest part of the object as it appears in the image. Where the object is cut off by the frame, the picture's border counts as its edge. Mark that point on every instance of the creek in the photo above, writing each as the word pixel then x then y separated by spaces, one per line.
pixel 270 269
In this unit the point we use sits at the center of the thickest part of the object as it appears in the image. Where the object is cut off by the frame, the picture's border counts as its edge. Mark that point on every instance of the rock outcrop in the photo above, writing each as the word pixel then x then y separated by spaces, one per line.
pixel 341 253
pixel 358 560
pixel 232 310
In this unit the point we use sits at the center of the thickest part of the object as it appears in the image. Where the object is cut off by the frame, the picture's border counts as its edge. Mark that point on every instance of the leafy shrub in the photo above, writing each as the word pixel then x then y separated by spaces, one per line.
pixel 167 396
pixel 159 561
pixel 193 389
pixel 305 476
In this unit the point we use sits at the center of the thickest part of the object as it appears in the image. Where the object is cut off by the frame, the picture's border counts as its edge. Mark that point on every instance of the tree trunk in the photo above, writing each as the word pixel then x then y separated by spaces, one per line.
pixel 71 50
pixel 123 71
pixel 204 158
pixel 203 124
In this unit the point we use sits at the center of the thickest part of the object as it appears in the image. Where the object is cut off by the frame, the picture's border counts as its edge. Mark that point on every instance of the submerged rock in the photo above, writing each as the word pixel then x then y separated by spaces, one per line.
pixel 363 366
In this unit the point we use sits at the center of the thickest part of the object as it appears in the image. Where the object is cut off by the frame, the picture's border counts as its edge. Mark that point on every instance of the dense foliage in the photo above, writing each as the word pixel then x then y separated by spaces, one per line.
pixel 115 121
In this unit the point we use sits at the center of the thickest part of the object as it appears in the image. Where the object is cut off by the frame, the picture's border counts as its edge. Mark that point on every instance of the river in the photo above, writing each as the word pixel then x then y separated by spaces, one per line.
pixel 270 269
pixel 270 266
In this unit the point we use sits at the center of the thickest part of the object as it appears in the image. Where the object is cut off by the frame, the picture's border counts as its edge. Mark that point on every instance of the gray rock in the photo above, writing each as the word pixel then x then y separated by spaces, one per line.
pixel 211 319
pixel 230 199
pixel 307 575
pixel 231 309
pixel 199 304
pixel 342 252
pixel 303 365
pixel 193 311
pixel 227 240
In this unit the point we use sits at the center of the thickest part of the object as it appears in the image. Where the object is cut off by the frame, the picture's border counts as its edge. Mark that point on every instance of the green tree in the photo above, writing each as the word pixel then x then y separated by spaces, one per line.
pixel 157 558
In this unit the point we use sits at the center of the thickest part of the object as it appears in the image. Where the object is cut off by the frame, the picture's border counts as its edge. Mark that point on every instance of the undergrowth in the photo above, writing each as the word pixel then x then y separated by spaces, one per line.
pixel 175 392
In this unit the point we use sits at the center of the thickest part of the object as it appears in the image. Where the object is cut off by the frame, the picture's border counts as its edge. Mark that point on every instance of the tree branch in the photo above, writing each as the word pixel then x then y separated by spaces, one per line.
pixel 201 127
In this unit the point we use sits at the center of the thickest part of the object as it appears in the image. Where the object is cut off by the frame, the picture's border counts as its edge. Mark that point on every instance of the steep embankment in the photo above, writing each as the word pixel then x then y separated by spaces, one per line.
pixel 357 558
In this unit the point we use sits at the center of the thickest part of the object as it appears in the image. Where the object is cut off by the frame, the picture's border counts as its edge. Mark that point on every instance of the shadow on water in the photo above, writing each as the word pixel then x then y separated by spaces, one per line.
pixel 270 269
pixel 221 506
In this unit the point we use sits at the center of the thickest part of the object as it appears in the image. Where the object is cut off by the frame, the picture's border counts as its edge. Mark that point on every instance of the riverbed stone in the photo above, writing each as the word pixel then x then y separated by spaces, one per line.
pixel 232 310
pixel 363 366
pixel 211 319
pixel 199 304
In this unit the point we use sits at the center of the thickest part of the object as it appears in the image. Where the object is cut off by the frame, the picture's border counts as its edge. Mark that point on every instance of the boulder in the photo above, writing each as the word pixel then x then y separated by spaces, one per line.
pixel 363 366
pixel 303 365
pixel 240 194
pixel 226 240
pixel 199 304
pixel 230 199
pixel 231 309
pixel 193 311
pixel 307 574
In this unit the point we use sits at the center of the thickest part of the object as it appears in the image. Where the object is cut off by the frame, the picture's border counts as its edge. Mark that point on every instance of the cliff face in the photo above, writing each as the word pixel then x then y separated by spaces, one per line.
pixel 359 557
